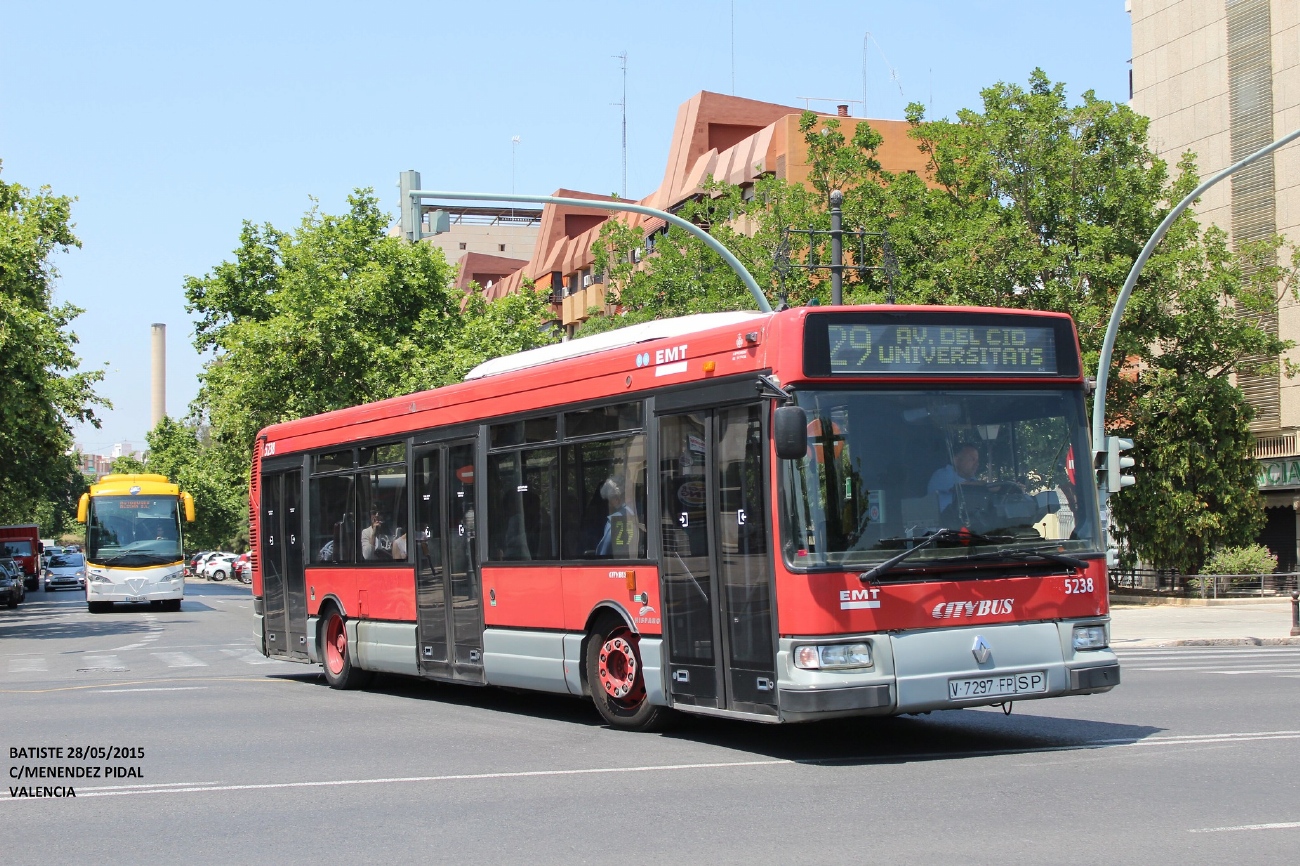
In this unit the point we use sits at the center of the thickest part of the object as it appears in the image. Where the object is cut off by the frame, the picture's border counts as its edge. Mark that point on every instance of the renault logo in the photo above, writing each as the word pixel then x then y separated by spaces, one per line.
pixel 982 651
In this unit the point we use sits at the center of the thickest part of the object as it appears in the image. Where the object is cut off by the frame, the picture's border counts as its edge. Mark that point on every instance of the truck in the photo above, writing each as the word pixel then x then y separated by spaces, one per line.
pixel 23 543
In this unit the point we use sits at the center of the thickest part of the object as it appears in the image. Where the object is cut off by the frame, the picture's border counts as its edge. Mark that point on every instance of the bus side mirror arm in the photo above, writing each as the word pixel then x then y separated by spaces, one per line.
pixel 83 505
pixel 189 507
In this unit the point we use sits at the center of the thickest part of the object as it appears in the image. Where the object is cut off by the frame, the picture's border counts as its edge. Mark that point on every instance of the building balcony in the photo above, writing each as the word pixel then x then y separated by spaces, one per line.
pixel 1277 443
pixel 575 306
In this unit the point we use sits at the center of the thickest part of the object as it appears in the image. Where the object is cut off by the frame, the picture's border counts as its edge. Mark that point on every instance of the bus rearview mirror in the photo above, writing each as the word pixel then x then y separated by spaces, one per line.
pixel 790 432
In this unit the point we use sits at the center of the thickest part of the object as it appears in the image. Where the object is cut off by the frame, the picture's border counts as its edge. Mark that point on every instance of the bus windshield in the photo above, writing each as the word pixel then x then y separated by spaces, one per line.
pixel 885 469
pixel 133 531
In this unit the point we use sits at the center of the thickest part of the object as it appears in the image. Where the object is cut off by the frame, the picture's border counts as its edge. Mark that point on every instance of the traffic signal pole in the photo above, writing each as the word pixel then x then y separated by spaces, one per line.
pixel 1100 447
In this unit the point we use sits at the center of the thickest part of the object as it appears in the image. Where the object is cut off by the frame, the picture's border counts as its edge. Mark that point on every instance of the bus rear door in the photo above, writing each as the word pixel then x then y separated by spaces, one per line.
pixel 449 604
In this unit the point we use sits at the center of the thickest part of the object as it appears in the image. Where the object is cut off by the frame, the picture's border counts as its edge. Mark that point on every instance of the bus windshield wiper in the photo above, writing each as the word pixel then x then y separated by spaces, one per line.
pixel 962 536
pixel 1032 553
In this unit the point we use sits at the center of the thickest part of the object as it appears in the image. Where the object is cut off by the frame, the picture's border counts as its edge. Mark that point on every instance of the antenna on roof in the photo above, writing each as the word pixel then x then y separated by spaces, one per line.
pixel 623 104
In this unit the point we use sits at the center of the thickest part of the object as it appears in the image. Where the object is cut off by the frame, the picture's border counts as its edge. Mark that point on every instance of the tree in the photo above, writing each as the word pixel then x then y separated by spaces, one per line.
pixel 333 314
pixel 1031 203
pixel 220 500
pixel 44 391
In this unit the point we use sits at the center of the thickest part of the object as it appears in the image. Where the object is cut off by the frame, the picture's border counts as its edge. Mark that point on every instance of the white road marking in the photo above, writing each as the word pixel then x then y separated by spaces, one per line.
pixel 103 662
pixel 127 647
pixel 1289 825
pixel 464 777
pixel 159 785
pixel 21 666
pixel 1219 670
pixel 1177 740
pixel 179 660
pixel 252 657
pixel 166 689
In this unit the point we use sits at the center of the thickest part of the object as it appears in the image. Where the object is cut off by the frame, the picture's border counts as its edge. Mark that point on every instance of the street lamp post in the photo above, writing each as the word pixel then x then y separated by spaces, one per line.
pixel 412 197
pixel 1112 329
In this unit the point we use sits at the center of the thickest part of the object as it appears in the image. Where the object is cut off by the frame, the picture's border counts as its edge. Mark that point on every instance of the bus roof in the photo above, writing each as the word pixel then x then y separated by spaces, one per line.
pixel 677 352
pixel 134 485
pixel 616 339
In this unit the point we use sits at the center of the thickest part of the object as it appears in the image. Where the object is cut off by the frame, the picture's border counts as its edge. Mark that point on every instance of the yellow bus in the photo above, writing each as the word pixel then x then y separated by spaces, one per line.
pixel 133 541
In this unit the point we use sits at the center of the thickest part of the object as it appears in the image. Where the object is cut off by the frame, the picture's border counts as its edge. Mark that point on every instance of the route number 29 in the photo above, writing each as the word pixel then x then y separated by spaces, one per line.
pixel 1078 585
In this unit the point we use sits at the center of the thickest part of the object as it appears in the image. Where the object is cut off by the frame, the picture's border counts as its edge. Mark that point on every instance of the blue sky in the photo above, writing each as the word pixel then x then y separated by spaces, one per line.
pixel 172 123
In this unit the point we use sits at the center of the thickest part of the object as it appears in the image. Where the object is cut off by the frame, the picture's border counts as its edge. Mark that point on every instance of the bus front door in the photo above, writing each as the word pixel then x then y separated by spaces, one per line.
pixel 717 581
pixel 284 589
pixel 449 607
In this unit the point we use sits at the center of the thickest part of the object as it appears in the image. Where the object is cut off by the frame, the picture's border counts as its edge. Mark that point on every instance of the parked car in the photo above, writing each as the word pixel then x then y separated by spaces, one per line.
pixel 192 562
pixel 65 571
pixel 243 568
pixel 12 590
pixel 217 566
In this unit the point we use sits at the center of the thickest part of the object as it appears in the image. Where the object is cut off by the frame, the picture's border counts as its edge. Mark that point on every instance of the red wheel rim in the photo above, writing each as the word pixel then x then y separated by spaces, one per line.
pixel 619 669
pixel 336 644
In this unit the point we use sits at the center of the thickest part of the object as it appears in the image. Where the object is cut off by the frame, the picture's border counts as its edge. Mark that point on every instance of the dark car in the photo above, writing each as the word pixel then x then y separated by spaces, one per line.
pixel 65 571
pixel 12 590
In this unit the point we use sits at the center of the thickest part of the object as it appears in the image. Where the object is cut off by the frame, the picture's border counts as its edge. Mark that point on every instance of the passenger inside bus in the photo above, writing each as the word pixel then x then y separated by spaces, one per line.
pixel 620 524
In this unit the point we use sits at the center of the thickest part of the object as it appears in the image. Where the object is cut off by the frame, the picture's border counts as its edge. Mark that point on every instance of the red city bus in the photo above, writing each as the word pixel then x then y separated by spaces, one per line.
pixel 774 516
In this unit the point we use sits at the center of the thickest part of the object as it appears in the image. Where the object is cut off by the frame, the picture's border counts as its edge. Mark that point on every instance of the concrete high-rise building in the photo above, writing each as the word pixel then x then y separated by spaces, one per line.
pixel 1221 78
pixel 159 370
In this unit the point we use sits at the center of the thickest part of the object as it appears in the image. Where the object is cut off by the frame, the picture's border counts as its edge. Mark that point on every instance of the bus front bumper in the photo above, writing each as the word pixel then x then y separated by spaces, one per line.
pixel 922 671
pixel 159 591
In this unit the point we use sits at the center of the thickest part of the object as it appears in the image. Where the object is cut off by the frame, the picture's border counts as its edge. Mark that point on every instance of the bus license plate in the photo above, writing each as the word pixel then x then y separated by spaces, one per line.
pixel 136 599
pixel 1033 682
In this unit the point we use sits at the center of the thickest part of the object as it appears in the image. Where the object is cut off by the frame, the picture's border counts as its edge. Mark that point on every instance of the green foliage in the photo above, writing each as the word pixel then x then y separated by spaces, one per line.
pixel 1251 559
pixel 128 464
pixel 220 501
pixel 1194 456
pixel 1031 203
pixel 333 314
pixel 44 394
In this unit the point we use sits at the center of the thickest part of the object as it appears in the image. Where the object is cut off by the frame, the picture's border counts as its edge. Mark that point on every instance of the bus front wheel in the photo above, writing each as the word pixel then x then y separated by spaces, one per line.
pixel 340 673
pixel 617 681
pixel 99 606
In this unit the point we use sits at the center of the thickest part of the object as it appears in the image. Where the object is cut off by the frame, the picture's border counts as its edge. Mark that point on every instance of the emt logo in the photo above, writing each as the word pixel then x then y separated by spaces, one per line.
pixel 859 599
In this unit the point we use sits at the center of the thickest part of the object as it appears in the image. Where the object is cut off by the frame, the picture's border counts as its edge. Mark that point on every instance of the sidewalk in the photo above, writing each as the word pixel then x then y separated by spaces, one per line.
pixel 1224 624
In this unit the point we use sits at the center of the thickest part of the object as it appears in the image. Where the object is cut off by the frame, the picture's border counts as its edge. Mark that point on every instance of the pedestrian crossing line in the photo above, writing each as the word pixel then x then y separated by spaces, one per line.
pixel 179 660
pixel 109 662
pixel 32 665
pixel 252 657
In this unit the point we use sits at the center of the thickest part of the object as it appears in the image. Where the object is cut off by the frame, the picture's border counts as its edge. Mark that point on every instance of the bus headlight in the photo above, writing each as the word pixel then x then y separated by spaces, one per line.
pixel 836 656
pixel 99 577
pixel 175 575
pixel 1089 637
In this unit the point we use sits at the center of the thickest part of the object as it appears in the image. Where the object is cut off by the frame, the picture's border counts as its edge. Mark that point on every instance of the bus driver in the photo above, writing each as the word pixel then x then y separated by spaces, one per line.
pixel 964 467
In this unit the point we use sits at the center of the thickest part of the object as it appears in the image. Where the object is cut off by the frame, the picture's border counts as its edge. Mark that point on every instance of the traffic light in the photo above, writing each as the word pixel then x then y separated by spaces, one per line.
pixel 1116 480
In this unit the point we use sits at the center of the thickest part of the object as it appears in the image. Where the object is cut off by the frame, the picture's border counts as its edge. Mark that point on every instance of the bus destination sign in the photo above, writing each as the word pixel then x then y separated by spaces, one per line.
pixel 999 349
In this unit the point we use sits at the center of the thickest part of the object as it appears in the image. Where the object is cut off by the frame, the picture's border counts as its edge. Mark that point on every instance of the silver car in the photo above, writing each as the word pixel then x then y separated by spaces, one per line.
pixel 65 571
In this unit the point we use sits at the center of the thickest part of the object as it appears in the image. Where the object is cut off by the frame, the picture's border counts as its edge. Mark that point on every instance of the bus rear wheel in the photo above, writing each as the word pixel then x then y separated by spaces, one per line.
pixel 617 681
pixel 340 673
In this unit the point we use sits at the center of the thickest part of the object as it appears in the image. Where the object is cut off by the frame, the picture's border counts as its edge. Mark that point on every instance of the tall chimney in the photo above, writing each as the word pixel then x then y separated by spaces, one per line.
pixel 159 389
pixel 842 110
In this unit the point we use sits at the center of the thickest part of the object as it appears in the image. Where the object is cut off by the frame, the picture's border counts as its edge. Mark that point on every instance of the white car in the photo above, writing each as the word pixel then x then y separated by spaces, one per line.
pixel 218 566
